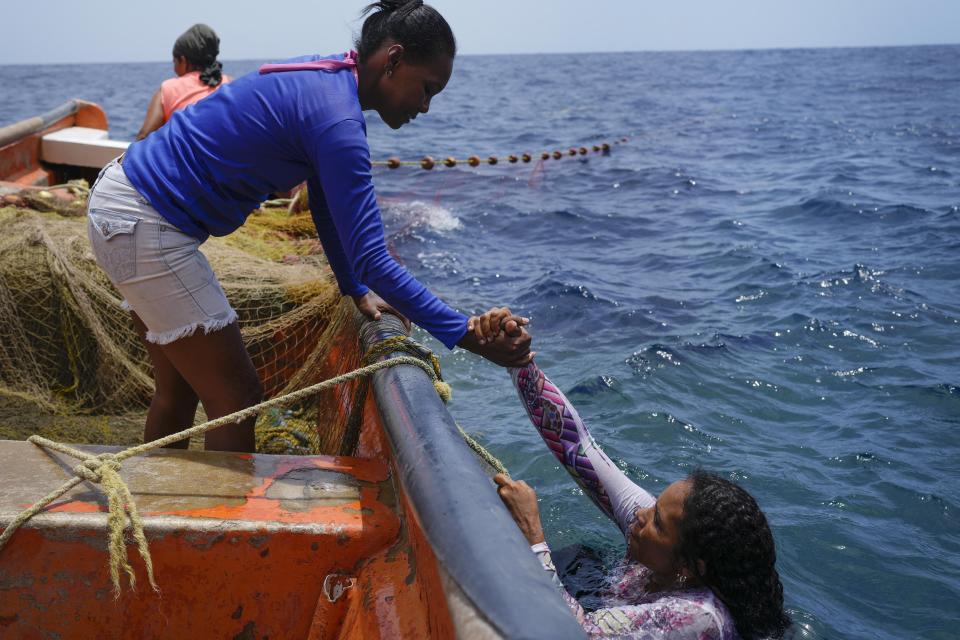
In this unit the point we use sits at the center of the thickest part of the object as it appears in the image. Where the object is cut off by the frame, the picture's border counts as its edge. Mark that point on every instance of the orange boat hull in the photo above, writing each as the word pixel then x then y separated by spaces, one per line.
pixel 243 546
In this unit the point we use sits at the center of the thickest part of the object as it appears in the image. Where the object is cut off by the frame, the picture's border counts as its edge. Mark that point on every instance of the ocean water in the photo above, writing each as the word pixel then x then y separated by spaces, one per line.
pixel 763 282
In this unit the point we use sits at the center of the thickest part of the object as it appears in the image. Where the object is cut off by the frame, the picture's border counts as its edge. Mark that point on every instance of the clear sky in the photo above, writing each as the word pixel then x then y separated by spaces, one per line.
pixel 115 31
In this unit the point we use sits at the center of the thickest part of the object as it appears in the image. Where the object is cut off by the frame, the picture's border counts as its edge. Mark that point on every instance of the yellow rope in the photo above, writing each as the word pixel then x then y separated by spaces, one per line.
pixel 77 185
pixel 403 343
pixel 397 343
pixel 104 469
pixel 482 452
pixel 408 345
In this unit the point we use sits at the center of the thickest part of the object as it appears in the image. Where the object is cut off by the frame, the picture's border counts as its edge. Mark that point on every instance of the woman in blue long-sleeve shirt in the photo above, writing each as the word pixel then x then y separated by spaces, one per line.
pixel 216 161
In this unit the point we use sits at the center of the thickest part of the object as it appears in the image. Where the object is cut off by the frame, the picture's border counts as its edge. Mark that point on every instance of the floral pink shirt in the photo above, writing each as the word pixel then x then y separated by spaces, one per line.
pixel 632 612
pixel 690 614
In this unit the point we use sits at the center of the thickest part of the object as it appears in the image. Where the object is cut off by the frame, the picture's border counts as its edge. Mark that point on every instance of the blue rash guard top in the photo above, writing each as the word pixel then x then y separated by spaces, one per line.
pixel 214 162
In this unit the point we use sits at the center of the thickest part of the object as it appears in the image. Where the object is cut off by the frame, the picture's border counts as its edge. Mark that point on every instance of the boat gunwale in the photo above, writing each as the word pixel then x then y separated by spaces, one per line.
pixel 16 131
pixel 472 536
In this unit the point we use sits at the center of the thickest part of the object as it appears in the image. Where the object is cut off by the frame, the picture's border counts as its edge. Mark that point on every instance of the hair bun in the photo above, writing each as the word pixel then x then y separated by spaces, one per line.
pixel 417 26
pixel 389 6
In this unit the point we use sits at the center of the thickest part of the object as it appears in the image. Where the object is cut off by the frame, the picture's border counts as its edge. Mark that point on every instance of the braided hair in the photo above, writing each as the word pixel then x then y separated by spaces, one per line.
pixel 200 45
pixel 420 28
pixel 724 528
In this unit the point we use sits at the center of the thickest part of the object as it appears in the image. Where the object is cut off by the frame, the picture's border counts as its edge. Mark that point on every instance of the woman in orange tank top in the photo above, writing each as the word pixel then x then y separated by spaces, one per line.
pixel 199 74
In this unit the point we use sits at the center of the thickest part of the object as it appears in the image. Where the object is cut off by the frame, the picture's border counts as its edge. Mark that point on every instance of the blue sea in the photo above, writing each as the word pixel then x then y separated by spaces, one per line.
pixel 763 281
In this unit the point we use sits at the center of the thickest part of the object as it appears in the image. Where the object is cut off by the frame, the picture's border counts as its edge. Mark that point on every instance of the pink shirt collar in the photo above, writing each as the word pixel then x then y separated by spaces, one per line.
pixel 349 62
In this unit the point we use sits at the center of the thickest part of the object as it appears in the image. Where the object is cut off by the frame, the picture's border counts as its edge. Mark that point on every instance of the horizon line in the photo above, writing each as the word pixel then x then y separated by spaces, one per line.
pixel 548 53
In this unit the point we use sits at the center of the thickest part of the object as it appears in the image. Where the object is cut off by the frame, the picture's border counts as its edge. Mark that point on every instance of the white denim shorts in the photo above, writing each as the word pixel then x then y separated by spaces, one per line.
pixel 156 267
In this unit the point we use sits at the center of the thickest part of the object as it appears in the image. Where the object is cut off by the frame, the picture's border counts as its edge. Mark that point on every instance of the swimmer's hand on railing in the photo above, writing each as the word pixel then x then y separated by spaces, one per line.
pixel 521 501
pixel 370 305
pixel 499 336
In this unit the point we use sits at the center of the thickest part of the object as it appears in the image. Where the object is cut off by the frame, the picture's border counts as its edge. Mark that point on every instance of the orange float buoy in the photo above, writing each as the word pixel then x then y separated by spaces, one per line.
pixel 572 152
pixel 526 157
pixel 450 162
pixel 393 163
pixel 492 160
pixel 583 151
pixel 606 147
pixel 512 158
pixel 596 147
pixel 427 163
pixel 557 155
pixel 473 161
pixel 545 155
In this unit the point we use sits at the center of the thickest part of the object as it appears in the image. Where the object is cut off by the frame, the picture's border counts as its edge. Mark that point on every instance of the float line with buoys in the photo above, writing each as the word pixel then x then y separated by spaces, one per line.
pixel 299 202
pixel 428 162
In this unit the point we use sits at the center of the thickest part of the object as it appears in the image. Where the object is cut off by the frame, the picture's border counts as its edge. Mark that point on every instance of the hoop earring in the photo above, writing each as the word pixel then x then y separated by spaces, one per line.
pixel 681 580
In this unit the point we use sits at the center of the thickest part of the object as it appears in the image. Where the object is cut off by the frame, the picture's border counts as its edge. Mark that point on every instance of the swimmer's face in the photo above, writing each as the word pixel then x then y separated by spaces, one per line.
pixel 405 88
pixel 654 535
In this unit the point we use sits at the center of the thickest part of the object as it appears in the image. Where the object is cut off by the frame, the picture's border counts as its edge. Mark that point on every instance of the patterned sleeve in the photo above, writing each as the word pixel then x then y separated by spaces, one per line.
pixel 571 443
pixel 669 618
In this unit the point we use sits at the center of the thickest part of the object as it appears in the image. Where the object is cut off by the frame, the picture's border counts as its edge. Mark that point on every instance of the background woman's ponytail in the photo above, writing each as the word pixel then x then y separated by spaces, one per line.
pixel 420 28
pixel 200 45
pixel 212 74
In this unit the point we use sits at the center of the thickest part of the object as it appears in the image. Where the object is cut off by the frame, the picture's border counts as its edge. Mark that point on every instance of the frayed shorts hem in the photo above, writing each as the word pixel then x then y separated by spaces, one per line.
pixel 210 326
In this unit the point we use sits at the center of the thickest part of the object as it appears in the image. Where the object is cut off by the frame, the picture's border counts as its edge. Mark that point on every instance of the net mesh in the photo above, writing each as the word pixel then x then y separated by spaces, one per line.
pixel 73 368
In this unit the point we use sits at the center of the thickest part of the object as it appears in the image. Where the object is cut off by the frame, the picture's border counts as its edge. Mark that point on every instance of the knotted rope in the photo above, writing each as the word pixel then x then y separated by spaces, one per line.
pixel 104 469
pixel 402 343
pixel 384 347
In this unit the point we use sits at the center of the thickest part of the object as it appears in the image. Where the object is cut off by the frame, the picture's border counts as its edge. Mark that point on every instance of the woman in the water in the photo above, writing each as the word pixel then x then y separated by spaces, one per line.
pixel 701 558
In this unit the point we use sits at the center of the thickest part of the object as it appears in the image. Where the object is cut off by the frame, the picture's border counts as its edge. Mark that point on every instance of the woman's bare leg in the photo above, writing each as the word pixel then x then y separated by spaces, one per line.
pixel 174 403
pixel 218 368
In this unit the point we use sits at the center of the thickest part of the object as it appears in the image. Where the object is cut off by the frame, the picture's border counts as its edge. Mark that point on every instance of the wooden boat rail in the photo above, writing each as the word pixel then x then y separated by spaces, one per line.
pixel 44 150
pixel 18 130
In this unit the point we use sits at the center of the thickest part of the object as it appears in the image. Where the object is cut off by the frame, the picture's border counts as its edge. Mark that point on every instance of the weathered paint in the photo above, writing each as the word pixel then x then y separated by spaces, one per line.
pixel 244 546
pixel 397 592
pixel 240 544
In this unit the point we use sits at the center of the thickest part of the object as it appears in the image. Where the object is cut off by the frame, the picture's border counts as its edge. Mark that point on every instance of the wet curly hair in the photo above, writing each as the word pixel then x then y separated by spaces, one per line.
pixel 725 533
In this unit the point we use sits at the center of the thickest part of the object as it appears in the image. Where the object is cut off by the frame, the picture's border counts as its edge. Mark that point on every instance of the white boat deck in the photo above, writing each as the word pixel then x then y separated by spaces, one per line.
pixel 80 147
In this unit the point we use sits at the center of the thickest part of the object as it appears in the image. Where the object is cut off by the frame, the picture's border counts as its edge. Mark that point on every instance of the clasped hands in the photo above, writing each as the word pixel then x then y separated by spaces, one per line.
pixel 498 335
